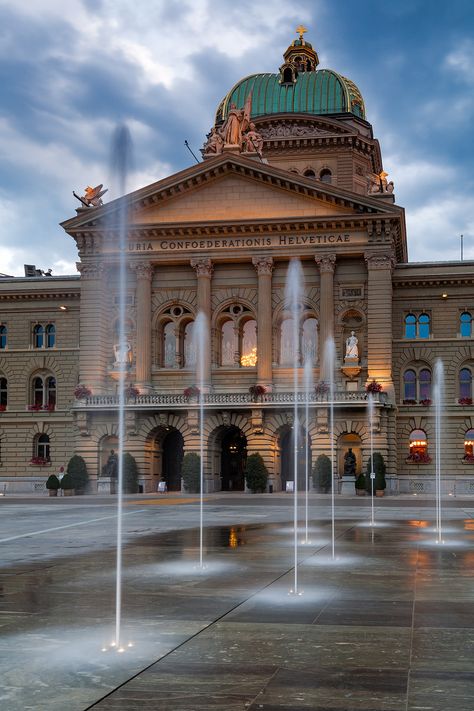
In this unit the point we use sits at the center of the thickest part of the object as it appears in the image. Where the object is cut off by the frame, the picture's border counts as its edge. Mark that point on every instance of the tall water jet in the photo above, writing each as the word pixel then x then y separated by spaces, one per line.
pixel 329 362
pixel 370 406
pixel 308 387
pixel 438 393
pixel 293 299
pixel 202 353
pixel 121 163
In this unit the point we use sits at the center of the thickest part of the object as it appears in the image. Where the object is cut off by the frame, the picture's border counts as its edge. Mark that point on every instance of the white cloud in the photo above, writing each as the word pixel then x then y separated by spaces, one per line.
pixel 436 225
pixel 461 60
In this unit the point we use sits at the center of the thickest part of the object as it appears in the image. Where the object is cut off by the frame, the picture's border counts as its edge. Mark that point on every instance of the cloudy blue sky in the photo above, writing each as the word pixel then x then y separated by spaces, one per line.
pixel 71 71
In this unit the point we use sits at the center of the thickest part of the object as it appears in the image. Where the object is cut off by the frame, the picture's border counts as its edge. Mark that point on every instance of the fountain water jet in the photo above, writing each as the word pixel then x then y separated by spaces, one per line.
pixel 438 392
pixel 329 361
pixel 308 386
pixel 370 406
pixel 121 163
pixel 202 353
pixel 293 296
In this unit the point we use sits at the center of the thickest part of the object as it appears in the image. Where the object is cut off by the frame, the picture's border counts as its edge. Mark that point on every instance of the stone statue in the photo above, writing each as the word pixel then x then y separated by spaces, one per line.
pixel 110 467
pixel 92 196
pixel 352 350
pixel 232 128
pixel 214 143
pixel 390 187
pixel 123 353
pixel 252 141
pixel 349 463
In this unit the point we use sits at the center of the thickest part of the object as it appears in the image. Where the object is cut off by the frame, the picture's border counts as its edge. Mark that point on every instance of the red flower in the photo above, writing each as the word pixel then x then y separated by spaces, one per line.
pixel 373 387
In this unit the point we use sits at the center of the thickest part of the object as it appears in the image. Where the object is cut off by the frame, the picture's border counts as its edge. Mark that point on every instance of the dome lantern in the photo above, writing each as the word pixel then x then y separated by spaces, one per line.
pixel 299 57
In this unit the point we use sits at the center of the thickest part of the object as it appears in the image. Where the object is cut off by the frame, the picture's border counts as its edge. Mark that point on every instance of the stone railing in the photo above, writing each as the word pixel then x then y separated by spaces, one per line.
pixel 231 399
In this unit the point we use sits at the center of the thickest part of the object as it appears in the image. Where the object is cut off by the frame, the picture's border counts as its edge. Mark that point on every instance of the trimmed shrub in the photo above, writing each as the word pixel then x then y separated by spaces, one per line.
pixel 191 472
pixel 322 474
pixel 256 473
pixel 67 482
pixel 52 482
pixel 360 482
pixel 130 474
pixel 77 469
pixel 379 469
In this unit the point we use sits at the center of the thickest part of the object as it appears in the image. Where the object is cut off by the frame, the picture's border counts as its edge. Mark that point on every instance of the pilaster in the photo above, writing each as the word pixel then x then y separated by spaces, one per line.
pixel 93 353
pixel 144 274
pixel 264 267
pixel 379 317
pixel 203 268
pixel 327 265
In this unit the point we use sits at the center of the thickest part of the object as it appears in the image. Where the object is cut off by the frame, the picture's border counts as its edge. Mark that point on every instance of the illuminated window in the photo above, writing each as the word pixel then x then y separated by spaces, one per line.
pixel 465 384
pixel 469 445
pixel 418 447
pixel 228 343
pixel 466 324
pixel 248 358
pixel 3 336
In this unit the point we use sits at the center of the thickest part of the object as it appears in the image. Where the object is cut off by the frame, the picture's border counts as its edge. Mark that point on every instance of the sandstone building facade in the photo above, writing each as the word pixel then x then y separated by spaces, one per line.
pixel 291 169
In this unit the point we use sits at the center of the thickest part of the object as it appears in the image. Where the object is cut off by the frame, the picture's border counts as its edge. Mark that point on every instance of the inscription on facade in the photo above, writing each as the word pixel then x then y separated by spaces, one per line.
pixel 184 245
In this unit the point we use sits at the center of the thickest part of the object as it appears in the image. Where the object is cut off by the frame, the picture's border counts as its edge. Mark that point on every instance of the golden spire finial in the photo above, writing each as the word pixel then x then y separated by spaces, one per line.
pixel 301 29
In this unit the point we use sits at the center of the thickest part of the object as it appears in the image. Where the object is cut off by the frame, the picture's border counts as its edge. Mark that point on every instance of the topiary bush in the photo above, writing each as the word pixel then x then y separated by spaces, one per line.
pixel 379 469
pixel 67 482
pixel 256 473
pixel 130 474
pixel 78 470
pixel 322 474
pixel 191 472
pixel 360 482
pixel 52 482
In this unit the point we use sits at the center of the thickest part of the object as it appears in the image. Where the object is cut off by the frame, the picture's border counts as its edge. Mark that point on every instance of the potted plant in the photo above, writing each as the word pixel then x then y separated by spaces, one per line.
pixel 373 387
pixel 426 402
pixel 465 401
pixel 360 485
pixel 192 391
pixel 191 472
pixel 78 470
pixel 67 484
pixel 322 474
pixel 39 461
pixel 257 391
pixel 131 391
pixel 81 392
pixel 321 389
pixel 130 474
pixel 378 468
pixel 256 473
pixel 52 485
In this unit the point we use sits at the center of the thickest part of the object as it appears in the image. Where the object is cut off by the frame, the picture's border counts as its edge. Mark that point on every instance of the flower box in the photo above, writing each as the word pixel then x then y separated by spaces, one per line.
pixel 3 408
pixel 409 402
pixel 419 459
pixel 132 391
pixel 321 389
pixel 373 387
pixel 465 401
pixel 81 392
pixel 426 402
pixel 40 461
pixel 257 391
pixel 191 391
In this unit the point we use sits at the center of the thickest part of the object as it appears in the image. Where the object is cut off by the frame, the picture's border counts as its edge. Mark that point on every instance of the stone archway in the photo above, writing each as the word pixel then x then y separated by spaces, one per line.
pixel 167 445
pixel 233 459
pixel 286 452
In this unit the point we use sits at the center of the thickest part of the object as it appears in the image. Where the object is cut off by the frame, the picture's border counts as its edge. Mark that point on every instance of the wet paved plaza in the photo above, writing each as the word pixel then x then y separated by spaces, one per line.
pixel 387 626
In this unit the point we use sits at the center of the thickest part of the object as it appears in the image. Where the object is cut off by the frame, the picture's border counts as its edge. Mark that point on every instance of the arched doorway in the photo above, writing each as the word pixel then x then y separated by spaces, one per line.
pixel 344 443
pixel 233 459
pixel 172 460
pixel 287 457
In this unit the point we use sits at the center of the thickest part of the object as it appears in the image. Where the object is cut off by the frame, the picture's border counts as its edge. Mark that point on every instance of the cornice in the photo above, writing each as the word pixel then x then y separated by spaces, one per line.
pixel 430 280
pixel 34 296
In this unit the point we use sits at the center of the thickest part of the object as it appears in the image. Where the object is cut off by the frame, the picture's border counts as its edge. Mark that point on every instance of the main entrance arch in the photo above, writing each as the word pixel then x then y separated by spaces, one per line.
pixel 286 445
pixel 228 448
pixel 167 457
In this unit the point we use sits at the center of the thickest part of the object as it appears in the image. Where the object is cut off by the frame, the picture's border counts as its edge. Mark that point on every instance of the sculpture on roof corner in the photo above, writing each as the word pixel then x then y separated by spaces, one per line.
pixel 236 135
pixel 92 196
pixel 378 184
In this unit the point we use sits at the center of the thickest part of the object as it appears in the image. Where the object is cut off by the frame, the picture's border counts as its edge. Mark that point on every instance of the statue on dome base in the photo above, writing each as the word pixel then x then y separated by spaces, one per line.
pixel 214 143
pixel 252 141
pixel 378 184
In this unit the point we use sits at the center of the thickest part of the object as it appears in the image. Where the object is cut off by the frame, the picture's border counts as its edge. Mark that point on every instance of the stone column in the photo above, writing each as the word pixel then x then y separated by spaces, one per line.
pixel 94 352
pixel 203 268
pixel 144 273
pixel 326 264
pixel 379 317
pixel 264 267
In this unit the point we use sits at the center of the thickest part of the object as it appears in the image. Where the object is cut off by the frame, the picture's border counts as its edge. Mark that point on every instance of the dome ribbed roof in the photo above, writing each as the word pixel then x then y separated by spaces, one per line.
pixel 319 92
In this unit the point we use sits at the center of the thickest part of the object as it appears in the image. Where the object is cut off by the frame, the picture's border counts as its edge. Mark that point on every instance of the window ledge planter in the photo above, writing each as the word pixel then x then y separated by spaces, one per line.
pixel 40 462
pixel 41 408
pixel 418 460
pixel 465 401
pixel 409 402
pixel 425 403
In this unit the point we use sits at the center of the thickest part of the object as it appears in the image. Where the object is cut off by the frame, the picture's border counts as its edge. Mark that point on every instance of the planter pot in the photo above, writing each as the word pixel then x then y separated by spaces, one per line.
pixel 379 492
pixel 68 492
pixel 52 492
pixel 360 492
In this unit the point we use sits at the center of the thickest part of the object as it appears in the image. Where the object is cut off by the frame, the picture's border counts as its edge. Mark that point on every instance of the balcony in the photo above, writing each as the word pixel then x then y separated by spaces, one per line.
pixel 241 400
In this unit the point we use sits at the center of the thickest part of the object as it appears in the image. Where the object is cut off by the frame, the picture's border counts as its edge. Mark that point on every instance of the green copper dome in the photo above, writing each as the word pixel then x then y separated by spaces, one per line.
pixel 319 92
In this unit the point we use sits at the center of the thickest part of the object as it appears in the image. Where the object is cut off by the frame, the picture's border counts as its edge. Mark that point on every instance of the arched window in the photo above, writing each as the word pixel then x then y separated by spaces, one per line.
pixel 248 356
pixel 469 446
pixel 309 341
pixel 169 345
pixel 287 344
pixel 228 343
pixel 418 447
pixel 424 382
pixel 189 347
pixel 309 173
pixel 43 393
pixel 417 326
pixel 325 175
pixel 42 447
pixel 410 326
pixel 465 384
pixel 466 325
pixel 409 386
pixel 38 336
pixel 50 332
pixel 287 76
pixel 3 336
pixel 3 393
